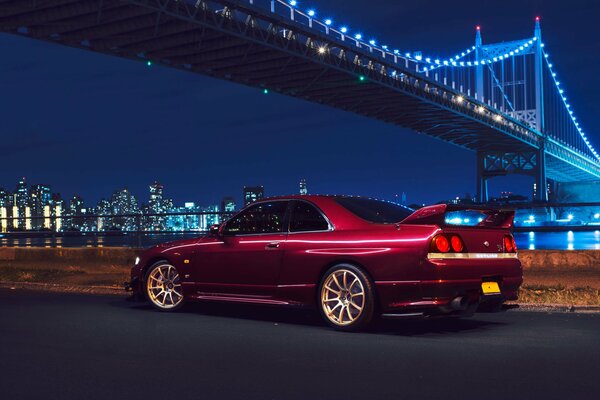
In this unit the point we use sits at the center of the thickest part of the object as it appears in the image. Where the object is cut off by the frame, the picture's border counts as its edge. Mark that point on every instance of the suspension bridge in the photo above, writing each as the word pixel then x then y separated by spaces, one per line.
pixel 503 101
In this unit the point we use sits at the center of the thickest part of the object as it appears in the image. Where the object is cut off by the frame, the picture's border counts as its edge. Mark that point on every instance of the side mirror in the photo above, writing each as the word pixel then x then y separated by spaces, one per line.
pixel 214 229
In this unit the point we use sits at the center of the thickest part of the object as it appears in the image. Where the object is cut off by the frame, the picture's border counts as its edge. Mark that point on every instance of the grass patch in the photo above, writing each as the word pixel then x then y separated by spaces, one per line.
pixel 558 294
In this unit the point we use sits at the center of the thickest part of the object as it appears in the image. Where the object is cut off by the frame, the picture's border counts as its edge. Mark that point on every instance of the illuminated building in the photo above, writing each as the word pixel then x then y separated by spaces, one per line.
pixel 209 219
pixel 124 203
pixel 76 220
pixel 40 198
pixel 5 208
pixel 253 193
pixel 303 188
pixel 3 219
pixel 187 218
pixel 157 205
pixel 227 206
pixel 20 200
pixel 102 210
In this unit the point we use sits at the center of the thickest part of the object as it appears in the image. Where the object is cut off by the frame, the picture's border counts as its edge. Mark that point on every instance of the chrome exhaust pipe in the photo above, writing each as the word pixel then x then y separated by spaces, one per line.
pixel 459 303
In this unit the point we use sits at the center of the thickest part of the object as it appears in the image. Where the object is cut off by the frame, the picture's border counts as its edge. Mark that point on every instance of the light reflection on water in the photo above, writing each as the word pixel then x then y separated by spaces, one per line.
pixel 558 240
pixel 525 240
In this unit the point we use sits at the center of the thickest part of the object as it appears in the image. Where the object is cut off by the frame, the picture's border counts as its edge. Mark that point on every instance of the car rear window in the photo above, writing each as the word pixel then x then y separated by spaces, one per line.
pixel 377 211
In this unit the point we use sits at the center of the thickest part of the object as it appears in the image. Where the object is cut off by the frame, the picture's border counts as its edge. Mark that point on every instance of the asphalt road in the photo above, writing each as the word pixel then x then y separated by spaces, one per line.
pixel 68 346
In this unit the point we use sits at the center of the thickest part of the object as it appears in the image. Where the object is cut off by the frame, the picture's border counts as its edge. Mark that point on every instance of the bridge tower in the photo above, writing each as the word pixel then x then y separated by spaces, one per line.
pixel 540 176
pixel 499 163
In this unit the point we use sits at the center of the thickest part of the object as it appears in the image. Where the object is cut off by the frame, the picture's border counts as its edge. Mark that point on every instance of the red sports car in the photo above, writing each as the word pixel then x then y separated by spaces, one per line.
pixel 351 257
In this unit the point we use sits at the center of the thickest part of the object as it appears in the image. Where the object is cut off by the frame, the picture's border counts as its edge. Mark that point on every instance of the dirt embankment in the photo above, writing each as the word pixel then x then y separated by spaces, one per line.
pixel 567 277
pixel 95 266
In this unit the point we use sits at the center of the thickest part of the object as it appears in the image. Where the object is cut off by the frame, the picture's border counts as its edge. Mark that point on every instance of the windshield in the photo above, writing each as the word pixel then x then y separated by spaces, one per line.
pixel 377 211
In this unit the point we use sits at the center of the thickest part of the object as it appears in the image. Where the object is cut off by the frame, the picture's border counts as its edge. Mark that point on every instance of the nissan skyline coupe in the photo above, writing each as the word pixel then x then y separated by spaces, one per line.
pixel 352 258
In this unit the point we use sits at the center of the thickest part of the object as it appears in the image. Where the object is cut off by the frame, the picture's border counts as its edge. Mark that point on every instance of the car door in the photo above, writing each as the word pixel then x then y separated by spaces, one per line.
pixel 247 258
pixel 310 246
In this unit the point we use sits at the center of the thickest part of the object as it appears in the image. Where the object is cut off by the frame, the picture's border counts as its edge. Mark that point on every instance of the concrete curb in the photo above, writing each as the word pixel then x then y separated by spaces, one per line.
pixel 116 291
pixel 557 308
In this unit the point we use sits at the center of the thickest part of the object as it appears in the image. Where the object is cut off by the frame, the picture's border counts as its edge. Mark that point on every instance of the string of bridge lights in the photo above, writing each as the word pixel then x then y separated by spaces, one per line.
pixel 419 58
pixel 561 92
pixel 416 57
pixel 453 61
pixel 435 63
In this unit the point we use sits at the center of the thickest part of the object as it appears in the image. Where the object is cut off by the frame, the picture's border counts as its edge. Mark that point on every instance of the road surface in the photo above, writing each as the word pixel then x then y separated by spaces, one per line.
pixel 71 346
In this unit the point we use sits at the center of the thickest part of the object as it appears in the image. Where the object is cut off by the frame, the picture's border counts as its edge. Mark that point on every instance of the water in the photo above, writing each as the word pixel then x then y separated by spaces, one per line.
pixel 525 240
pixel 558 240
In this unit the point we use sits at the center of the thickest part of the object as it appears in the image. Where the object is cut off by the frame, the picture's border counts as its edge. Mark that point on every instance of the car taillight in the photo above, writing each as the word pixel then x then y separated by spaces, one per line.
pixel 514 244
pixel 509 244
pixel 441 244
pixel 447 243
pixel 457 244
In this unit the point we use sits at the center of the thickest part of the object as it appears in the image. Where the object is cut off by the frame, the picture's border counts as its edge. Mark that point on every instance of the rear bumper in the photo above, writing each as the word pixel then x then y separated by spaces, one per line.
pixel 443 282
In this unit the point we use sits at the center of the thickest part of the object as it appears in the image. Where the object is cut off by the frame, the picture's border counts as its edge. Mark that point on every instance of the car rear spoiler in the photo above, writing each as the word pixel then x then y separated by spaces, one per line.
pixel 436 215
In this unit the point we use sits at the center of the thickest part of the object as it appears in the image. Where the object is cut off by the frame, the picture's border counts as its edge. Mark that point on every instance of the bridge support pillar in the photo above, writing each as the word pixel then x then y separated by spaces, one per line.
pixel 482 178
pixel 479 55
pixel 541 182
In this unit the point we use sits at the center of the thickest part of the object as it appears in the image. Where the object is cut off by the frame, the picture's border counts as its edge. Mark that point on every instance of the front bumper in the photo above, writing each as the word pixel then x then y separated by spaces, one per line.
pixel 132 285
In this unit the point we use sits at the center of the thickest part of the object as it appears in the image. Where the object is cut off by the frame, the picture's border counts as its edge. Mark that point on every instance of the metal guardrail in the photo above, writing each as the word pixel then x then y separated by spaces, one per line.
pixel 86 224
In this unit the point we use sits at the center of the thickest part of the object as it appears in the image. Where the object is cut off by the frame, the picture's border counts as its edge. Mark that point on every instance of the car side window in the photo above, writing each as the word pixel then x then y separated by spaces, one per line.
pixel 259 218
pixel 306 218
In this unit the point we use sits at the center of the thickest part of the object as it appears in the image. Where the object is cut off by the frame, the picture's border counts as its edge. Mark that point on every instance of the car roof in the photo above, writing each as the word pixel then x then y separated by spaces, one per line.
pixel 312 197
pixel 338 215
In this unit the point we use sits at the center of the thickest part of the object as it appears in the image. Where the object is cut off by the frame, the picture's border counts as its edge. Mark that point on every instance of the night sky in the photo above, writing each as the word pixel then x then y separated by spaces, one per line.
pixel 88 123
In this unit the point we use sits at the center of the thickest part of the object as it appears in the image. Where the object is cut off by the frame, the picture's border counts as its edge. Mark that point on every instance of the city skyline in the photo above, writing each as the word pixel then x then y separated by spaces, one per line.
pixel 247 195
pixel 229 201
pixel 90 122
pixel 36 207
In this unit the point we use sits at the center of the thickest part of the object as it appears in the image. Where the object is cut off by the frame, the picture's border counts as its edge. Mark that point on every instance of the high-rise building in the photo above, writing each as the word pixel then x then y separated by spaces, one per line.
pixel 156 194
pixel 76 215
pixel 76 205
pixel 21 194
pixel 57 209
pixel 227 206
pixel 253 193
pixel 20 200
pixel 303 188
pixel 5 208
pixel 5 198
pixel 124 204
pixel 157 205
pixel 209 219
pixel 186 218
pixel 104 223
pixel 40 199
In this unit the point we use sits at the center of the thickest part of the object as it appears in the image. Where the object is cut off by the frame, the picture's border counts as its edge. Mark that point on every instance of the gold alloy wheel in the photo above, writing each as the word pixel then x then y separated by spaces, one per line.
pixel 164 287
pixel 343 297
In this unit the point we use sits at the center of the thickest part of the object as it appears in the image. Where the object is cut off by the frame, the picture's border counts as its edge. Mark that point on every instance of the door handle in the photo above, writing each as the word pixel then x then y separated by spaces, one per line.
pixel 272 245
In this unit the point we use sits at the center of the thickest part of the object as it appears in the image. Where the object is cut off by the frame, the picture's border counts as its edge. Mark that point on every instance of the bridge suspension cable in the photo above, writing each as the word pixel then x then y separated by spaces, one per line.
pixel 508 87
pixel 561 123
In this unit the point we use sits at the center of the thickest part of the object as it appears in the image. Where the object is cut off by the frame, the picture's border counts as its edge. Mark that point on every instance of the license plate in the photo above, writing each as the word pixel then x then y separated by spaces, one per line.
pixel 490 288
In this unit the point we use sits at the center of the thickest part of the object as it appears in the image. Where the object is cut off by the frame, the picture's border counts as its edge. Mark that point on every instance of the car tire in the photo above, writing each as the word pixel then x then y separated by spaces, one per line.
pixel 162 286
pixel 346 298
